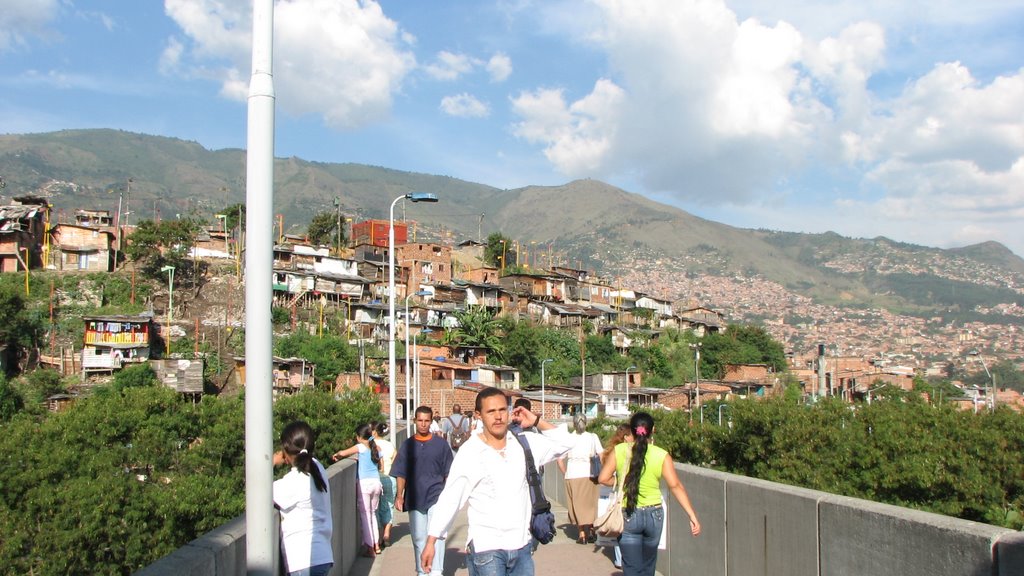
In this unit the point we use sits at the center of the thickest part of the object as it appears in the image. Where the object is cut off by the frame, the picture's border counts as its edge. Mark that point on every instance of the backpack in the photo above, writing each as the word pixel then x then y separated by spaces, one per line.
pixel 459 434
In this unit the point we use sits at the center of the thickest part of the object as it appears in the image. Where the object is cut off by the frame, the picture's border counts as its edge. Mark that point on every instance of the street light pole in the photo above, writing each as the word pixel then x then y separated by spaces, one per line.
pixel 25 263
pixel 696 371
pixel 542 363
pixel 337 209
pixel 170 304
pixel 416 352
pixel 408 404
pixel 256 236
pixel 627 387
pixel 991 379
pixel 224 229
pixel 414 197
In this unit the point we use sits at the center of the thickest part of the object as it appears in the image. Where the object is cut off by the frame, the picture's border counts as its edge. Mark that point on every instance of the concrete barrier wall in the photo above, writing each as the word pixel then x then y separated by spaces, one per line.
pixel 221 552
pixel 749 526
pixel 752 526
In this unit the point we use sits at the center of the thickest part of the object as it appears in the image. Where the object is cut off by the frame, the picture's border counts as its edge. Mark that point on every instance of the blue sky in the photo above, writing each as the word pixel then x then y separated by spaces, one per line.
pixel 866 117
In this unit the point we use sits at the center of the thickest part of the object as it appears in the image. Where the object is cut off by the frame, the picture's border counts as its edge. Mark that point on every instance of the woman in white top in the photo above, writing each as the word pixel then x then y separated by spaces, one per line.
pixel 581 489
pixel 385 513
pixel 304 500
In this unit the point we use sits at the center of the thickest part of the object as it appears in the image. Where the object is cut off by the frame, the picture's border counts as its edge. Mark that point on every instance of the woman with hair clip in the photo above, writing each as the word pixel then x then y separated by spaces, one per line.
pixel 304 500
pixel 644 466
pixel 385 513
pixel 365 450
pixel 623 433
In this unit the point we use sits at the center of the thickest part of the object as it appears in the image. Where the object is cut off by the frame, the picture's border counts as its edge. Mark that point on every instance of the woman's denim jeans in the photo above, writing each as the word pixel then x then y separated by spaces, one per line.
pixel 639 541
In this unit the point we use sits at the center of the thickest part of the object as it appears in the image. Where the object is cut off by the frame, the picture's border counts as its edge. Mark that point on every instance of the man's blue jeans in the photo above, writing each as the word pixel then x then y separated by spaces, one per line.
pixel 501 562
pixel 418 522
pixel 318 570
pixel 639 541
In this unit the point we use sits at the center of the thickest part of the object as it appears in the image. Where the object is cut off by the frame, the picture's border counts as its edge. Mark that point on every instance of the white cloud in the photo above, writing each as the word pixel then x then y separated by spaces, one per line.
pixel 22 19
pixel 699 94
pixel 170 58
pixel 340 59
pixel 499 67
pixel 716 109
pixel 578 137
pixel 464 106
pixel 450 66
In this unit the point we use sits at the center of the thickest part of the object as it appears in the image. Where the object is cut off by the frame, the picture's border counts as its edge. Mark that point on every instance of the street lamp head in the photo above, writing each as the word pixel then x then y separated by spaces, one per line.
pixel 421 197
pixel 167 269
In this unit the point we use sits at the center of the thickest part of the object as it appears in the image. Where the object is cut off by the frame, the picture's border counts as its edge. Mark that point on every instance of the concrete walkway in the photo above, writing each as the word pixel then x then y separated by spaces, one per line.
pixel 563 556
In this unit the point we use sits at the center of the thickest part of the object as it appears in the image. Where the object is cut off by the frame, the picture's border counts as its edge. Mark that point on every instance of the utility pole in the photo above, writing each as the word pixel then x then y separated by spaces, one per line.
pixel 822 391
pixel 128 201
pixel 337 209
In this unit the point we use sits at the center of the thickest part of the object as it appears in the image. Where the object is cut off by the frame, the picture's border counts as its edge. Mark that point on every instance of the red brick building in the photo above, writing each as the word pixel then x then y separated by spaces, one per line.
pixel 375 233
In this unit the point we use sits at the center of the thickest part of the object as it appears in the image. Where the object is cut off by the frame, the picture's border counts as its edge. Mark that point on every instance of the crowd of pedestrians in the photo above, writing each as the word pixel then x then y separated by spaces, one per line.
pixel 478 461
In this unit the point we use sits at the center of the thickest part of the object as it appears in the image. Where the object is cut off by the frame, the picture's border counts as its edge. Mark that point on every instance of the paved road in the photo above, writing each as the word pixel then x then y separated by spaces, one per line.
pixel 563 556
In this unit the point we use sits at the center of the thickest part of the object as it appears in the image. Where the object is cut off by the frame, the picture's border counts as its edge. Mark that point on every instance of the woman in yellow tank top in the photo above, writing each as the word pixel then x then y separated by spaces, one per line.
pixel 644 466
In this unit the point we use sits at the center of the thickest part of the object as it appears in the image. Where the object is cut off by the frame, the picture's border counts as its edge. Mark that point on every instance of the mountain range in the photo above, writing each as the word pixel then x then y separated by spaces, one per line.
pixel 585 223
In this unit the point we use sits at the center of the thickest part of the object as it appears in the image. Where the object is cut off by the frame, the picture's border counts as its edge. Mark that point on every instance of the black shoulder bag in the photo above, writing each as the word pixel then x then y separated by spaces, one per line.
pixel 542 520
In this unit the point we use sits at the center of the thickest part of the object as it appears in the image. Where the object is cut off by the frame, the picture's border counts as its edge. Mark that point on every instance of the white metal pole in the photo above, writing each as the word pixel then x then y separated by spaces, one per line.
pixel 260 537
pixel 409 404
pixel 416 373
pixel 627 390
pixel 391 316
pixel 543 414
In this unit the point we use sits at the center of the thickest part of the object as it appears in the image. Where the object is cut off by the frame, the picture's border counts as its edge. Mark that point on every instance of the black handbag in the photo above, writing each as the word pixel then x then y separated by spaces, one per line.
pixel 542 520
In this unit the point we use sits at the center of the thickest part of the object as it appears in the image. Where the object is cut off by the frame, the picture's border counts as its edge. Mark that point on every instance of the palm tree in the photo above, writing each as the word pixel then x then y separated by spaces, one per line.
pixel 477 327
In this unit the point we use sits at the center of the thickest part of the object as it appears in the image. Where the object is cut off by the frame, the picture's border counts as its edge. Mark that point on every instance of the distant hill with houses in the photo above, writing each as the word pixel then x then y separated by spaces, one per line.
pixel 584 224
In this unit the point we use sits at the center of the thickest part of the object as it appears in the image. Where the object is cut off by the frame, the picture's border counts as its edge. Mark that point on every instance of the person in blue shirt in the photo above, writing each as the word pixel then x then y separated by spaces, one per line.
pixel 421 469
pixel 370 488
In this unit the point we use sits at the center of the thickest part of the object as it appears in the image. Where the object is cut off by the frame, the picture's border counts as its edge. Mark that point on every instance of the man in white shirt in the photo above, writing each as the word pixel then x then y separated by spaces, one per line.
pixel 489 474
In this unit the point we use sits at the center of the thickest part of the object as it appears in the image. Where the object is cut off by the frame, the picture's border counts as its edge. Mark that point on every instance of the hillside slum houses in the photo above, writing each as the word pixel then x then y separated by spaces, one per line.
pixel 432 282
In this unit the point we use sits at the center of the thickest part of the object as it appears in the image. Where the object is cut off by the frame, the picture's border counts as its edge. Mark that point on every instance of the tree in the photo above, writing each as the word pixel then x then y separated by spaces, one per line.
pixel 10 401
pixel 17 324
pixel 499 250
pixel 136 376
pixel 125 477
pixel 330 354
pixel 739 345
pixel 323 230
pixel 235 215
pixel 155 245
pixel 478 327
pixel 601 354
pixel 521 343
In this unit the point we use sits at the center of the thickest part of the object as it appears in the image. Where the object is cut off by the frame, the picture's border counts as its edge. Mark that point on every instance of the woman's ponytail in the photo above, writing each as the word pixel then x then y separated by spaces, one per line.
pixel 366 433
pixel 297 440
pixel 642 425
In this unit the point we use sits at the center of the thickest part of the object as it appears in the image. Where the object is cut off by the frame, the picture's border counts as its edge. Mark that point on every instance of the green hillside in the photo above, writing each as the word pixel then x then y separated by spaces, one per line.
pixel 584 222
